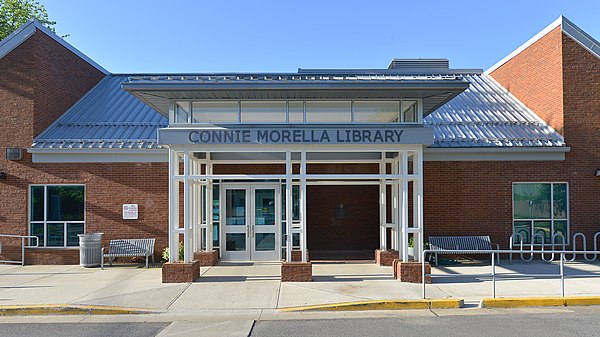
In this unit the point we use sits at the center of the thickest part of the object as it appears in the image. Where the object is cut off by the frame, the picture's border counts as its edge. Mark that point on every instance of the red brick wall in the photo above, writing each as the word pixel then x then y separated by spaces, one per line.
pixel 523 73
pixel 40 80
pixel 107 188
pixel 581 79
pixel 61 78
pixel 474 198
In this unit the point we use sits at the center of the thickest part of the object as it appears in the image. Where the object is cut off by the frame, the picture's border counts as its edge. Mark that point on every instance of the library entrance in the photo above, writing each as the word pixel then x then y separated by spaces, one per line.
pixel 252 223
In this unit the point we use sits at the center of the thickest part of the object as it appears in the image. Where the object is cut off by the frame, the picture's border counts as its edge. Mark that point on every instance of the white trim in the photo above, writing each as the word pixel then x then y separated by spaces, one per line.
pixel 581 37
pixel 495 154
pixel 567 27
pixel 125 156
pixel 24 32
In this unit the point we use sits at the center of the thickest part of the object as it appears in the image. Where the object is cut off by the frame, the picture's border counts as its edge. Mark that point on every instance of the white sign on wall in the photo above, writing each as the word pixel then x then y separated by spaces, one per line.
pixel 130 211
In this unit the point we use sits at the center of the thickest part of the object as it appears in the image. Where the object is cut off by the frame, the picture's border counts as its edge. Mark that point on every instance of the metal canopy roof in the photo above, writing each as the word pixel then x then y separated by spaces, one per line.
pixel 157 91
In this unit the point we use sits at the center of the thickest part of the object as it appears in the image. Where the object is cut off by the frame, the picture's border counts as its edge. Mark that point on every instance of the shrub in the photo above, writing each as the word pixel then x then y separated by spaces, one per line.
pixel 165 253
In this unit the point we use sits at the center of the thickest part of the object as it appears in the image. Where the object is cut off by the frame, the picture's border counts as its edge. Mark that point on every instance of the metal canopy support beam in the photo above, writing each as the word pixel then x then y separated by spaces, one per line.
pixel 288 205
pixel 303 224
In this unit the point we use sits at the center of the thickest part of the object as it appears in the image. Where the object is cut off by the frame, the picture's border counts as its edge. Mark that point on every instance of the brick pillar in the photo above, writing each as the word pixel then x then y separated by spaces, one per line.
pixel 296 272
pixel 297 256
pixel 386 257
pixel 410 271
pixel 179 272
pixel 207 259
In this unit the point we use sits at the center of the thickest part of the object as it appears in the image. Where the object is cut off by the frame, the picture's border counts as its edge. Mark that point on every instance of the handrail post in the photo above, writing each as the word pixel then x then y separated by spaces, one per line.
pixel 493 276
pixel 22 251
pixel 562 275
pixel 423 271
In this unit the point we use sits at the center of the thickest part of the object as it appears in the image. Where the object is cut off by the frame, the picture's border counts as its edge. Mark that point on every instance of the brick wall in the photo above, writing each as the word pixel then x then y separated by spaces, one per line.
pixel 552 76
pixel 40 80
pixel 61 78
pixel 521 76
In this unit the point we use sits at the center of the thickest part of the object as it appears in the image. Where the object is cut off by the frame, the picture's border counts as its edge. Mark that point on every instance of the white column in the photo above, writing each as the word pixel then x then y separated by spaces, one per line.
pixel 404 206
pixel 173 207
pixel 382 204
pixel 288 205
pixel 395 206
pixel 303 204
pixel 209 206
pixel 187 212
pixel 419 201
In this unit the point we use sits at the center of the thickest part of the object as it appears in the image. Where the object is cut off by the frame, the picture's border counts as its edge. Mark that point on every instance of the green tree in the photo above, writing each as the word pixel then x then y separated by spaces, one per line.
pixel 14 13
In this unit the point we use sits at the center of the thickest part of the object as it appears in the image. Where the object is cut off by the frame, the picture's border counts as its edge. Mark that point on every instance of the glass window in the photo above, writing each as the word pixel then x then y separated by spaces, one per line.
pixel 540 212
pixel 328 112
pixel 182 112
pixel 64 216
pixel 410 111
pixel 215 112
pixel 37 203
pixel 64 203
pixel 376 111
pixel 263 111
pixel 296 111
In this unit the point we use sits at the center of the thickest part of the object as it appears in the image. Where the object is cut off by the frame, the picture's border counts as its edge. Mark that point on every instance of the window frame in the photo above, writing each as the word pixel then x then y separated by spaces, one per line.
pixel 551 219
pixel 173 115
pixel 45 222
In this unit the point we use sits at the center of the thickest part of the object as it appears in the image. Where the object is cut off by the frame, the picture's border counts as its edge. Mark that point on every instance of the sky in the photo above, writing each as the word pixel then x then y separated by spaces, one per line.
pixel 187 36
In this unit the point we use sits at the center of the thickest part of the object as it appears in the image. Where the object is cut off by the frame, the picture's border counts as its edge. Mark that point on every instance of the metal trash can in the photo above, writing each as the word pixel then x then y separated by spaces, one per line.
pixel 90 249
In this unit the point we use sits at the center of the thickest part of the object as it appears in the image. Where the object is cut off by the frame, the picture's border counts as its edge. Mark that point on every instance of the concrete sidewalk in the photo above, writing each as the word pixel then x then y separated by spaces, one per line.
pixel 256 286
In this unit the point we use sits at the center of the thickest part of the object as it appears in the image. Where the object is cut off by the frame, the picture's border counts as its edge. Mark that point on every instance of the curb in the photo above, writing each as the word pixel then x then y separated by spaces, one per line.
pixel 539 302
pixel 68 309
pixel 383 305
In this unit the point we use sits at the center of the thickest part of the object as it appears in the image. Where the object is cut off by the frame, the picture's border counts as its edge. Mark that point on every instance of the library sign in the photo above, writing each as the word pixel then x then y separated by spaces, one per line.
pixel 296 135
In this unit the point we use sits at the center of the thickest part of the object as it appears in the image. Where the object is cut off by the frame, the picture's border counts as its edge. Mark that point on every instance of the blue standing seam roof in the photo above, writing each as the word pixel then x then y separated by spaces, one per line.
pixel 484 115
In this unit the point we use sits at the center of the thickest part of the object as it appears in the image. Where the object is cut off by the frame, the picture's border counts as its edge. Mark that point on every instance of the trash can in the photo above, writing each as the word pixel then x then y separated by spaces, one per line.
pixel 90 249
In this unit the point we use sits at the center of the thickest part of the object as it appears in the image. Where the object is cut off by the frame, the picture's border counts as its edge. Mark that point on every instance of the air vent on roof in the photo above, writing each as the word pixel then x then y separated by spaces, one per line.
pixel 419 64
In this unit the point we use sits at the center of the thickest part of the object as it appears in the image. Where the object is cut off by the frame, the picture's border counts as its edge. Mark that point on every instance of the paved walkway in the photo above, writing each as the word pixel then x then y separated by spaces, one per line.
pixel 256 286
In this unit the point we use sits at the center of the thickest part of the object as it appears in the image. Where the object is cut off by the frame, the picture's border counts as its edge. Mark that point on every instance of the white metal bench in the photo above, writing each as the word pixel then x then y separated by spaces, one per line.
pixel 464 243
pixel 127 248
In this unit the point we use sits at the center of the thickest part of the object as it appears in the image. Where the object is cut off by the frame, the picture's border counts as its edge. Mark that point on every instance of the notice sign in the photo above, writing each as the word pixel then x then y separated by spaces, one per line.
pixel 130 211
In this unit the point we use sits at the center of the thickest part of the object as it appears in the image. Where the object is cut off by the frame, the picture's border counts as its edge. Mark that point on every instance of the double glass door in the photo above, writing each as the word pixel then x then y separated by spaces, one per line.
pixel 252 222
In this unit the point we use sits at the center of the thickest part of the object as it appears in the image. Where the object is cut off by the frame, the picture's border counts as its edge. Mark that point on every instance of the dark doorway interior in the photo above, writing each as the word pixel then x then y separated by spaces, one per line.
pixel 343 222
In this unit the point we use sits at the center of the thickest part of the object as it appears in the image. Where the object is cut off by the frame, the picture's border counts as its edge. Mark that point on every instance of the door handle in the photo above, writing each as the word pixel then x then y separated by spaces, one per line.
pixel 248 231
pixel 252 230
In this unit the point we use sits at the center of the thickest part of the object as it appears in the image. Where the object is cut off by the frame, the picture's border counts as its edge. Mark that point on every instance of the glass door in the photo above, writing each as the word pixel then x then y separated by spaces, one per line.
pixel 265 223
pixel 236 226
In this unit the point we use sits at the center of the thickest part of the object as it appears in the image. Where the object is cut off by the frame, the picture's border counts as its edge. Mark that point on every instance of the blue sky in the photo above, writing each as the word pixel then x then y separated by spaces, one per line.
pixel 133 36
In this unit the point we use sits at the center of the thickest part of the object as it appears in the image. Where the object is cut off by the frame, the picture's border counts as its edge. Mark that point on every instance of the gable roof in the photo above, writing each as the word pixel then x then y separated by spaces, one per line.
pixel 568 28
pixel 21 34
pixel 484 115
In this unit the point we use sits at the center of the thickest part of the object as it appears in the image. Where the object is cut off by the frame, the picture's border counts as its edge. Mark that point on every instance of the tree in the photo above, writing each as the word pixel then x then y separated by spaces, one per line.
pixel 14 13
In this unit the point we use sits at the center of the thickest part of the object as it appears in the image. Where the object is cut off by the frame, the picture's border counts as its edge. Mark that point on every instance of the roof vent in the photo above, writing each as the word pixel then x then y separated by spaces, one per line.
pixel 419 64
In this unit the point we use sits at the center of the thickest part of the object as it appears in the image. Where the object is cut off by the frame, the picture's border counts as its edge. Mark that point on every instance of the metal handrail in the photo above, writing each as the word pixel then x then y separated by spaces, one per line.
pixel 23 237
pixel 493 274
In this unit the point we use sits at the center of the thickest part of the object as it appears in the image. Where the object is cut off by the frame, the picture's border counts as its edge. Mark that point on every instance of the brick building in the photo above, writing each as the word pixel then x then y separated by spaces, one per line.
pixel 362 159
